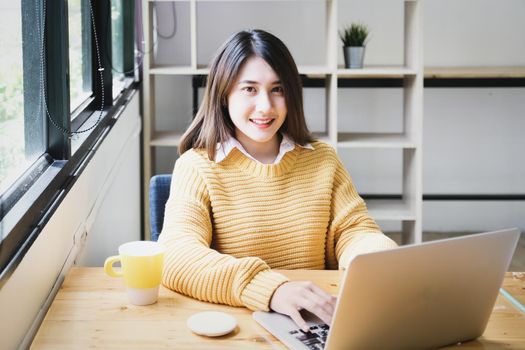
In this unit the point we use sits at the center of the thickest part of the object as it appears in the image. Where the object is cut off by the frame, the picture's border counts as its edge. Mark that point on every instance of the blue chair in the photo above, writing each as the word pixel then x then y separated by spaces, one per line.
pixel 159 192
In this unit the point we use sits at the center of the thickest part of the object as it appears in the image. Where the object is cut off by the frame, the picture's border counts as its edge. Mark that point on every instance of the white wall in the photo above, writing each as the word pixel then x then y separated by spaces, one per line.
pixel 474 32
pixel 473 138
pixel 101 211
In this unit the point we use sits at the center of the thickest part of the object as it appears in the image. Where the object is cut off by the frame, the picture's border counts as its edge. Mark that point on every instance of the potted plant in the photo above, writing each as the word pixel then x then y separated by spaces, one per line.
pixel 354 43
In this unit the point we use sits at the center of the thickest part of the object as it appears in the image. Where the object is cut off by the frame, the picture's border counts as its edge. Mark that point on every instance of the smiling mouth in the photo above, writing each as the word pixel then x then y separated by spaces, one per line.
pixel 262 121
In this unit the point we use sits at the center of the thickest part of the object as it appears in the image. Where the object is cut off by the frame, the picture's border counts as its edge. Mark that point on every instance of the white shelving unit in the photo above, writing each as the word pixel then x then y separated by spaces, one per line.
pixel 406 210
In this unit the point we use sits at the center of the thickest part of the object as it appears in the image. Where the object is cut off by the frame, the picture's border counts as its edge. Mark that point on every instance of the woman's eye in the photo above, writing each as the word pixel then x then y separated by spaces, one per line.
pixel 278 90
pixel 249 89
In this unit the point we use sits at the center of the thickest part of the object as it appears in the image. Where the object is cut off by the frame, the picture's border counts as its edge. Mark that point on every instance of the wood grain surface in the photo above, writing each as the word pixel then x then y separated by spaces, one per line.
pixel 91 310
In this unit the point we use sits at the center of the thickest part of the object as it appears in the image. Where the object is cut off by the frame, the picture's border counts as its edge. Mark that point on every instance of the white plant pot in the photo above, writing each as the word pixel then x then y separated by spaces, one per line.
pixel 354 56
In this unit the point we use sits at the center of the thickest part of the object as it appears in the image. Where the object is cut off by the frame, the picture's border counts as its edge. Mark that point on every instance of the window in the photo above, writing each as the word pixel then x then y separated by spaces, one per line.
pixel 21 142
pixel 51 91
pixel 79 23
pixel 117 46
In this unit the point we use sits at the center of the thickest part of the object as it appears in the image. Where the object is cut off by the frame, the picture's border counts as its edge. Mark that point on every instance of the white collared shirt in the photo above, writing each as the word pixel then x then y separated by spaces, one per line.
pixel 287 145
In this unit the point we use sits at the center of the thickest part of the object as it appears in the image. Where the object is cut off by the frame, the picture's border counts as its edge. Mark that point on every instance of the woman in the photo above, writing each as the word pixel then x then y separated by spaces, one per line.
pixel 252 191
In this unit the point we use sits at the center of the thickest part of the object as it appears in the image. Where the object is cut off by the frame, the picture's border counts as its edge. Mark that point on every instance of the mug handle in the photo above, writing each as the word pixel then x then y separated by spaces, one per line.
pixel 108 266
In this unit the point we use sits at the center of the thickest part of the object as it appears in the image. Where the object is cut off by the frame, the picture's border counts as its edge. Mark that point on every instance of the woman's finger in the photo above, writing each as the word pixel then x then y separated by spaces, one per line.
pixel 298 319
pixel 291 297
pixel 328 298
pixel 321 292
pixel 315 308
pixel 320 302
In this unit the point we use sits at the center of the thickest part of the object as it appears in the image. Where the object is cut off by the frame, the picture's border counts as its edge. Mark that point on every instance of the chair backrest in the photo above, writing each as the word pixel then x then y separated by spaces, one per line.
pixel 159 192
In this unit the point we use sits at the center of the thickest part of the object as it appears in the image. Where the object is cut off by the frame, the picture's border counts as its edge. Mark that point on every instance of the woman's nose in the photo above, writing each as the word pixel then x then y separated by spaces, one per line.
pixel 264 104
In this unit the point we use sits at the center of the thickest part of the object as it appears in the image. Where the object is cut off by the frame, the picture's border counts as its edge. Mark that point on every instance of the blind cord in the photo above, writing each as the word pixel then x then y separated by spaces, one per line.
pixel 43 62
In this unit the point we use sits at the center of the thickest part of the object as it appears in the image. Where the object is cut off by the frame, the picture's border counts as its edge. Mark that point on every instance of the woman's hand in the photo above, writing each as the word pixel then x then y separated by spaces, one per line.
pixel 291 297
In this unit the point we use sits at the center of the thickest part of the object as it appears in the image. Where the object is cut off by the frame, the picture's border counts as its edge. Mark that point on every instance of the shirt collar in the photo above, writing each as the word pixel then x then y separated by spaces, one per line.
pixel 225 148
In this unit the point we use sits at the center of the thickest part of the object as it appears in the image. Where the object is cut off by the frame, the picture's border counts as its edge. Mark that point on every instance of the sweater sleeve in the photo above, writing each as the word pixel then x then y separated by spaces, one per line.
pixel 352 231
pixel 191 267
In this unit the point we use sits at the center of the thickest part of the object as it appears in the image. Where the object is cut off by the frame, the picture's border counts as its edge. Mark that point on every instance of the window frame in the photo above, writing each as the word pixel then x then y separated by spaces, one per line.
pixel 29 203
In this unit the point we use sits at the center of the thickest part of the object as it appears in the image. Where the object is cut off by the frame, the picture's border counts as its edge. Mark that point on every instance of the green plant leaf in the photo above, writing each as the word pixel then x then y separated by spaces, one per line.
pixel 354 35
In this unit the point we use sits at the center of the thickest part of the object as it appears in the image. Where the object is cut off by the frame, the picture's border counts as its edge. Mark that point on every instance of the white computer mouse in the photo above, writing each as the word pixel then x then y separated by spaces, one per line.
pixel 211 323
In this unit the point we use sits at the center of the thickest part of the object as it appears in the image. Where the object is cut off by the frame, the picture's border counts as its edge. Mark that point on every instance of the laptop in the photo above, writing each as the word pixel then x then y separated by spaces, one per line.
pixel 413 297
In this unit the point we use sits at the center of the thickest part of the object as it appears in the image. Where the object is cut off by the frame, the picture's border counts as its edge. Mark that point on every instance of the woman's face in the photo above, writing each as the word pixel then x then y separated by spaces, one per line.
pixel 256 104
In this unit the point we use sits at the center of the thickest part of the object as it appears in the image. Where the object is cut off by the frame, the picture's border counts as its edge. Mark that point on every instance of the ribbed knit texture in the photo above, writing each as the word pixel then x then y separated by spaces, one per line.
pixel 228 224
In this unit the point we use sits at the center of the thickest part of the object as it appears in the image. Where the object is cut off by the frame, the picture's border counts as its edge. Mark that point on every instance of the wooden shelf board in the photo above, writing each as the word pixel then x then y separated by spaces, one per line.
pixel 390 210
pixel 372 71
pixel 374 140
pixel 376 72
pixel 166 139
pixel 177 70
pixel 313 70
pixel 203 70
pixel 474 72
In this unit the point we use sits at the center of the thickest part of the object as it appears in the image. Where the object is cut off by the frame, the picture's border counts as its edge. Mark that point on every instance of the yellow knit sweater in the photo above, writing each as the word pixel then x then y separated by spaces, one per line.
pixel 227 225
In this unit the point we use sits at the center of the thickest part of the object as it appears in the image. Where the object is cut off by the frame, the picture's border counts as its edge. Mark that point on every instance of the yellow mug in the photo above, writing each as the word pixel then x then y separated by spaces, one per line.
pixel 142 263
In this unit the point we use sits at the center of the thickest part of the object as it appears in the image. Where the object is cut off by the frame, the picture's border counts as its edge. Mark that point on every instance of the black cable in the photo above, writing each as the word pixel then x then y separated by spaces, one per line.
pixel 141 53
pixel 43 78
pixel 174 23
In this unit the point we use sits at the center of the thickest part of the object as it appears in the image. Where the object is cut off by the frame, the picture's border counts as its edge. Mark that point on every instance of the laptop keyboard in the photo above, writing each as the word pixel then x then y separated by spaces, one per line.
pixel 315 339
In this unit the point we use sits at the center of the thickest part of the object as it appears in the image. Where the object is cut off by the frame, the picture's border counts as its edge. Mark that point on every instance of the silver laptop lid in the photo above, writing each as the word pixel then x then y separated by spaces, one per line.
pixel 422 296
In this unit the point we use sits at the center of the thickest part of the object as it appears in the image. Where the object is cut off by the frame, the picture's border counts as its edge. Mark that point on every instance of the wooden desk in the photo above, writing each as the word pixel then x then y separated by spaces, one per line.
pixel 515 286
pixel 91 311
